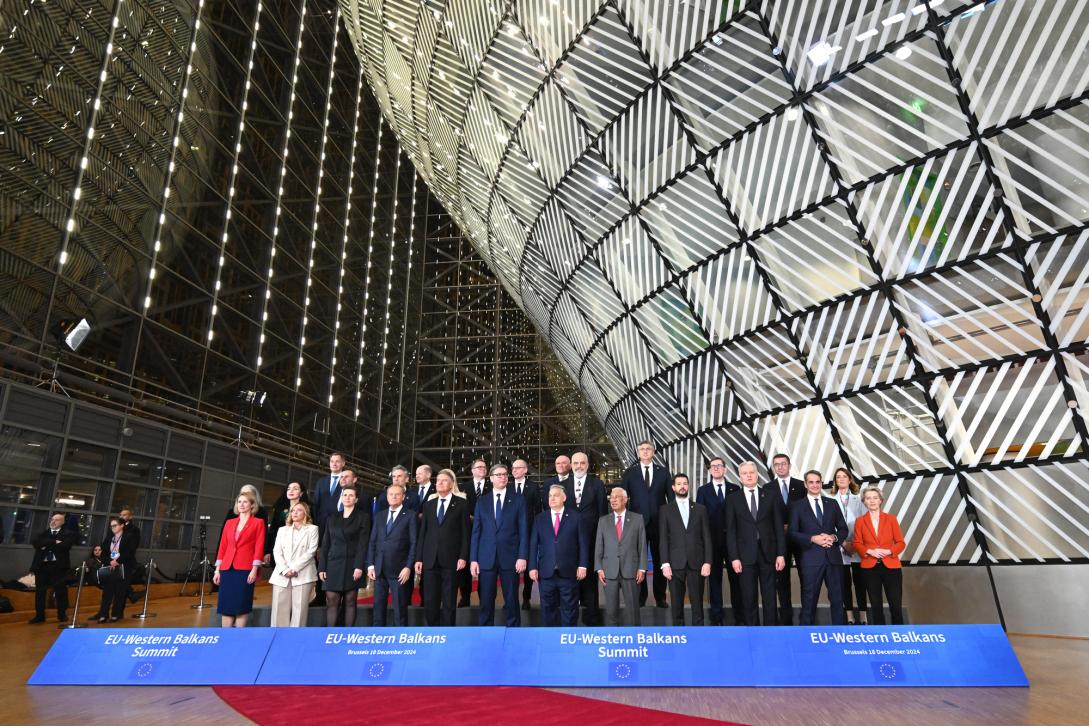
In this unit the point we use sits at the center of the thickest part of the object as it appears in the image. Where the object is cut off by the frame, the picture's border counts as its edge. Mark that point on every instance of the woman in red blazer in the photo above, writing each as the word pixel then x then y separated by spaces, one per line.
pixel 879 542
pixel 241 551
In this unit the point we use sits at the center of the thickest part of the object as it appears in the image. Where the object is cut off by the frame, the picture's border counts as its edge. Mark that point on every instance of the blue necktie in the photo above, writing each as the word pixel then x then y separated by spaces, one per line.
pixel 442 510
pixel 333 480
pixel 820 512
pixel 498 509
pixel 721 498
pixel 389 522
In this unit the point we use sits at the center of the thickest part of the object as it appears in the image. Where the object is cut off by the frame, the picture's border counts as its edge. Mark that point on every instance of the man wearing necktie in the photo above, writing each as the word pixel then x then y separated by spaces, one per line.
pixel 531 495
pixel 442 550
pixel 326 499
pixel 421 491
pixel 817 528
pixel 558 559
pixel 498 547
pixel 648 486
pixel 50 567
pixel 685 535
pixel 756 543
pixel 712 495
pixel 479 488
pixel 620 558
pixel 790 490
pixel 587 494
pixel 391 553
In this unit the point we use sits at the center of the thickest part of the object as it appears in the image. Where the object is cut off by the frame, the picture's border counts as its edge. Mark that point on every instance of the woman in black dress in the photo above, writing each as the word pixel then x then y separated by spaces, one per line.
pixel 279 515
pixel 343 555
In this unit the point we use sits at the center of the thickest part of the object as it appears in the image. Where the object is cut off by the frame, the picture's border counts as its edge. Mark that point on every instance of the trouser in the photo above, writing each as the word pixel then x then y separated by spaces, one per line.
pixel 759 575
pixel 813 576
pixel 50 576
pixel 891 580
pixel 289 604
pixel 613 589
pixel 588 595
pixel 559 601
pixel 658 582
pixel 440 595
pixel 114 590
pixel 383 587
pixel 690 580
pixel 714 584
pixel 486 590
pixel 854 589
pixel 782 590
pixel 527 587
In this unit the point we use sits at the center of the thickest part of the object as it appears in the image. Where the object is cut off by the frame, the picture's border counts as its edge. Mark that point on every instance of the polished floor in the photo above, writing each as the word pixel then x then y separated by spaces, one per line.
pixel 1058 669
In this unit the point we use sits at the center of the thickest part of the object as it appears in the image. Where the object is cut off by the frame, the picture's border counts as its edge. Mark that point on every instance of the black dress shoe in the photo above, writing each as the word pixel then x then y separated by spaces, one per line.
pixel 62 617
pixel 36 619
pixel 661 605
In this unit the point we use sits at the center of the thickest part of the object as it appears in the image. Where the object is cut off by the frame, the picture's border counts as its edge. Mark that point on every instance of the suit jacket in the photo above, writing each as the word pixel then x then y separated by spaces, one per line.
pixel 531 493
pixel 795 490
pixel 344 549
pixel 470 494
pixel 804 524
pixel 684 547
pixel 593 506
pixel 442 545
pixel 389 553
pixel 716 510
pixel 558 554
pixel 623 557
pixel 324 504
pixel 243 552
pixel 59 545
pixel 748 538
pixel 888 536
pixel 645 501
pixel 417 501
pixel 299 557
pixel 498 546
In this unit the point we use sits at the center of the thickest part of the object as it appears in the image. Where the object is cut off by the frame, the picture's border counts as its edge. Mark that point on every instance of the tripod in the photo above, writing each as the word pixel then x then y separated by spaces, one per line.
pixel 199 559
pixel 53 383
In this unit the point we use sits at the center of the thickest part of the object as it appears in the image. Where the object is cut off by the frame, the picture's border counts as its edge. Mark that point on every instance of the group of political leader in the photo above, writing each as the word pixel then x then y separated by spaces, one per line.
pixel 568 535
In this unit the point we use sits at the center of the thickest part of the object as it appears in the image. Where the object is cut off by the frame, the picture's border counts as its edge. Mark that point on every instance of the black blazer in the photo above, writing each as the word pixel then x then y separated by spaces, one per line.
pixel 60 544
pixel 389 553
pixel 684 547
pixel 470 494
pixel 442 545
pixel 645 501
pixel 804 524
pixel 716 510
pixel 593 505
pixel 344 549
pixel 126 548
pixel 531 495
pixel 795 490
pixel 748 539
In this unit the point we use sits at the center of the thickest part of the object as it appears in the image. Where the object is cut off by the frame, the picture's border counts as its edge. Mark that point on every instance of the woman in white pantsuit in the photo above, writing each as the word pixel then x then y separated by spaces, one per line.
pixel 296 570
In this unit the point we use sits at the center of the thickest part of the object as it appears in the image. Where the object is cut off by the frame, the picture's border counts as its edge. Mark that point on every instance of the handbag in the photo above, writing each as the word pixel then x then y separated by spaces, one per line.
pixel 110 574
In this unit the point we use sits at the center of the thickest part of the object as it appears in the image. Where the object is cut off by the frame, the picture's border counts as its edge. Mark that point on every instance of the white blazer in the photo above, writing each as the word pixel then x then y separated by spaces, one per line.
pixel 851 512
pixel 299 558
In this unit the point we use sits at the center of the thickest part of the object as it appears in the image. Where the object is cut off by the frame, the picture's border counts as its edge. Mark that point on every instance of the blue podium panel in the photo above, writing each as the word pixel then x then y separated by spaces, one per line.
pixel 154 657
pixel 898 655
pixel 627 657
pixel 384 656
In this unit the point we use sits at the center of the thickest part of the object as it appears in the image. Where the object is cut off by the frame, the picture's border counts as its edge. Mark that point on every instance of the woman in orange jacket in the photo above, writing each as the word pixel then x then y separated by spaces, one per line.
pixel 879 542
pixel 241 552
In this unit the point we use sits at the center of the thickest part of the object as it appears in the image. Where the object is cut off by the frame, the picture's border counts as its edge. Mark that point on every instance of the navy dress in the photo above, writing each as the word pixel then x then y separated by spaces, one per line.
pixel 344 549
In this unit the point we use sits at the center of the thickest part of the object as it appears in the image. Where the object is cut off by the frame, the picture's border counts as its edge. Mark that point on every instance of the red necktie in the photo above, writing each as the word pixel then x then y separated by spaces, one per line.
pixel 619 528
pixel 556 524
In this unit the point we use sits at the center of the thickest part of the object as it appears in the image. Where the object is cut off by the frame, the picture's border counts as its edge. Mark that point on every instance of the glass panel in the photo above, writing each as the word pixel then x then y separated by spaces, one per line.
pixel 181 478
pixel 139 499
pixel 170 536
pixel 89 460
pixel 84 494
pixel 16 525
pixel 28 449
pixel 140 470
pixel 23 487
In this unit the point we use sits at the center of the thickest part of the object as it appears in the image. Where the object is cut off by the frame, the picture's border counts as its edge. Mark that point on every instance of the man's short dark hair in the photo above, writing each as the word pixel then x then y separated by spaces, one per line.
pixel 679 475
pixel 780 456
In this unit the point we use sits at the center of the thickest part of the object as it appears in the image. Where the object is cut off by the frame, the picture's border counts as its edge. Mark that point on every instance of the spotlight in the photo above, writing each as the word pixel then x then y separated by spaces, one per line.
pixel 72 332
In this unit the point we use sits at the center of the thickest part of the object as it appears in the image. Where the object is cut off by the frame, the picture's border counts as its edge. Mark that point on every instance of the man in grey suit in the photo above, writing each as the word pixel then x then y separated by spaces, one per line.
pixel 620 558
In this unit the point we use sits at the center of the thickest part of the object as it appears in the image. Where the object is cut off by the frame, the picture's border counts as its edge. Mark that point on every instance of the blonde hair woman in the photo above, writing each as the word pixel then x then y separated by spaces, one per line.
pixel 879 543
pixel 296 570
pixel 241 551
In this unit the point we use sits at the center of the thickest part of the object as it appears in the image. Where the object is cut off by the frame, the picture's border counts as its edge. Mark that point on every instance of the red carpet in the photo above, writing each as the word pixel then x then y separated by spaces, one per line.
pixel 496 706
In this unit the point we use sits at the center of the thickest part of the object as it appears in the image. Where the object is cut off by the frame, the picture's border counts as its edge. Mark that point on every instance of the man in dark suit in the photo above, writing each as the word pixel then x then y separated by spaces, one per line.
pixel 712 496
pixel 498 547
pixel 685 532
pixel 423 489
pixel 474 491
pixel 531 494
pixel 648 487
pixel 326 495
pixel 756 543
pixel 817 528
pixel 397 475
pixel 50 567
pixel 563 473
pixel 586 495
pixel 391 553
pixel 442 550
pixel 558 557
pixel 790 490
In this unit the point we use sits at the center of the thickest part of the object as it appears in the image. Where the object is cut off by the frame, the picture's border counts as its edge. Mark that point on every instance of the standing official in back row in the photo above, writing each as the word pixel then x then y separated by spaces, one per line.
pixel 685 547
pixel 756 542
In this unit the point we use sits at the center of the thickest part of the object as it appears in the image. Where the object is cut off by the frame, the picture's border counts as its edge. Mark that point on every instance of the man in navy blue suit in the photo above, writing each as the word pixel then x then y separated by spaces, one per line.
pixel 559 550
pixel 398 475
pixel 817 529
pixel 531 493
pixel 649 487
pixel 391 554
pixel 324 500
pixel 712 495
pixel 498 547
